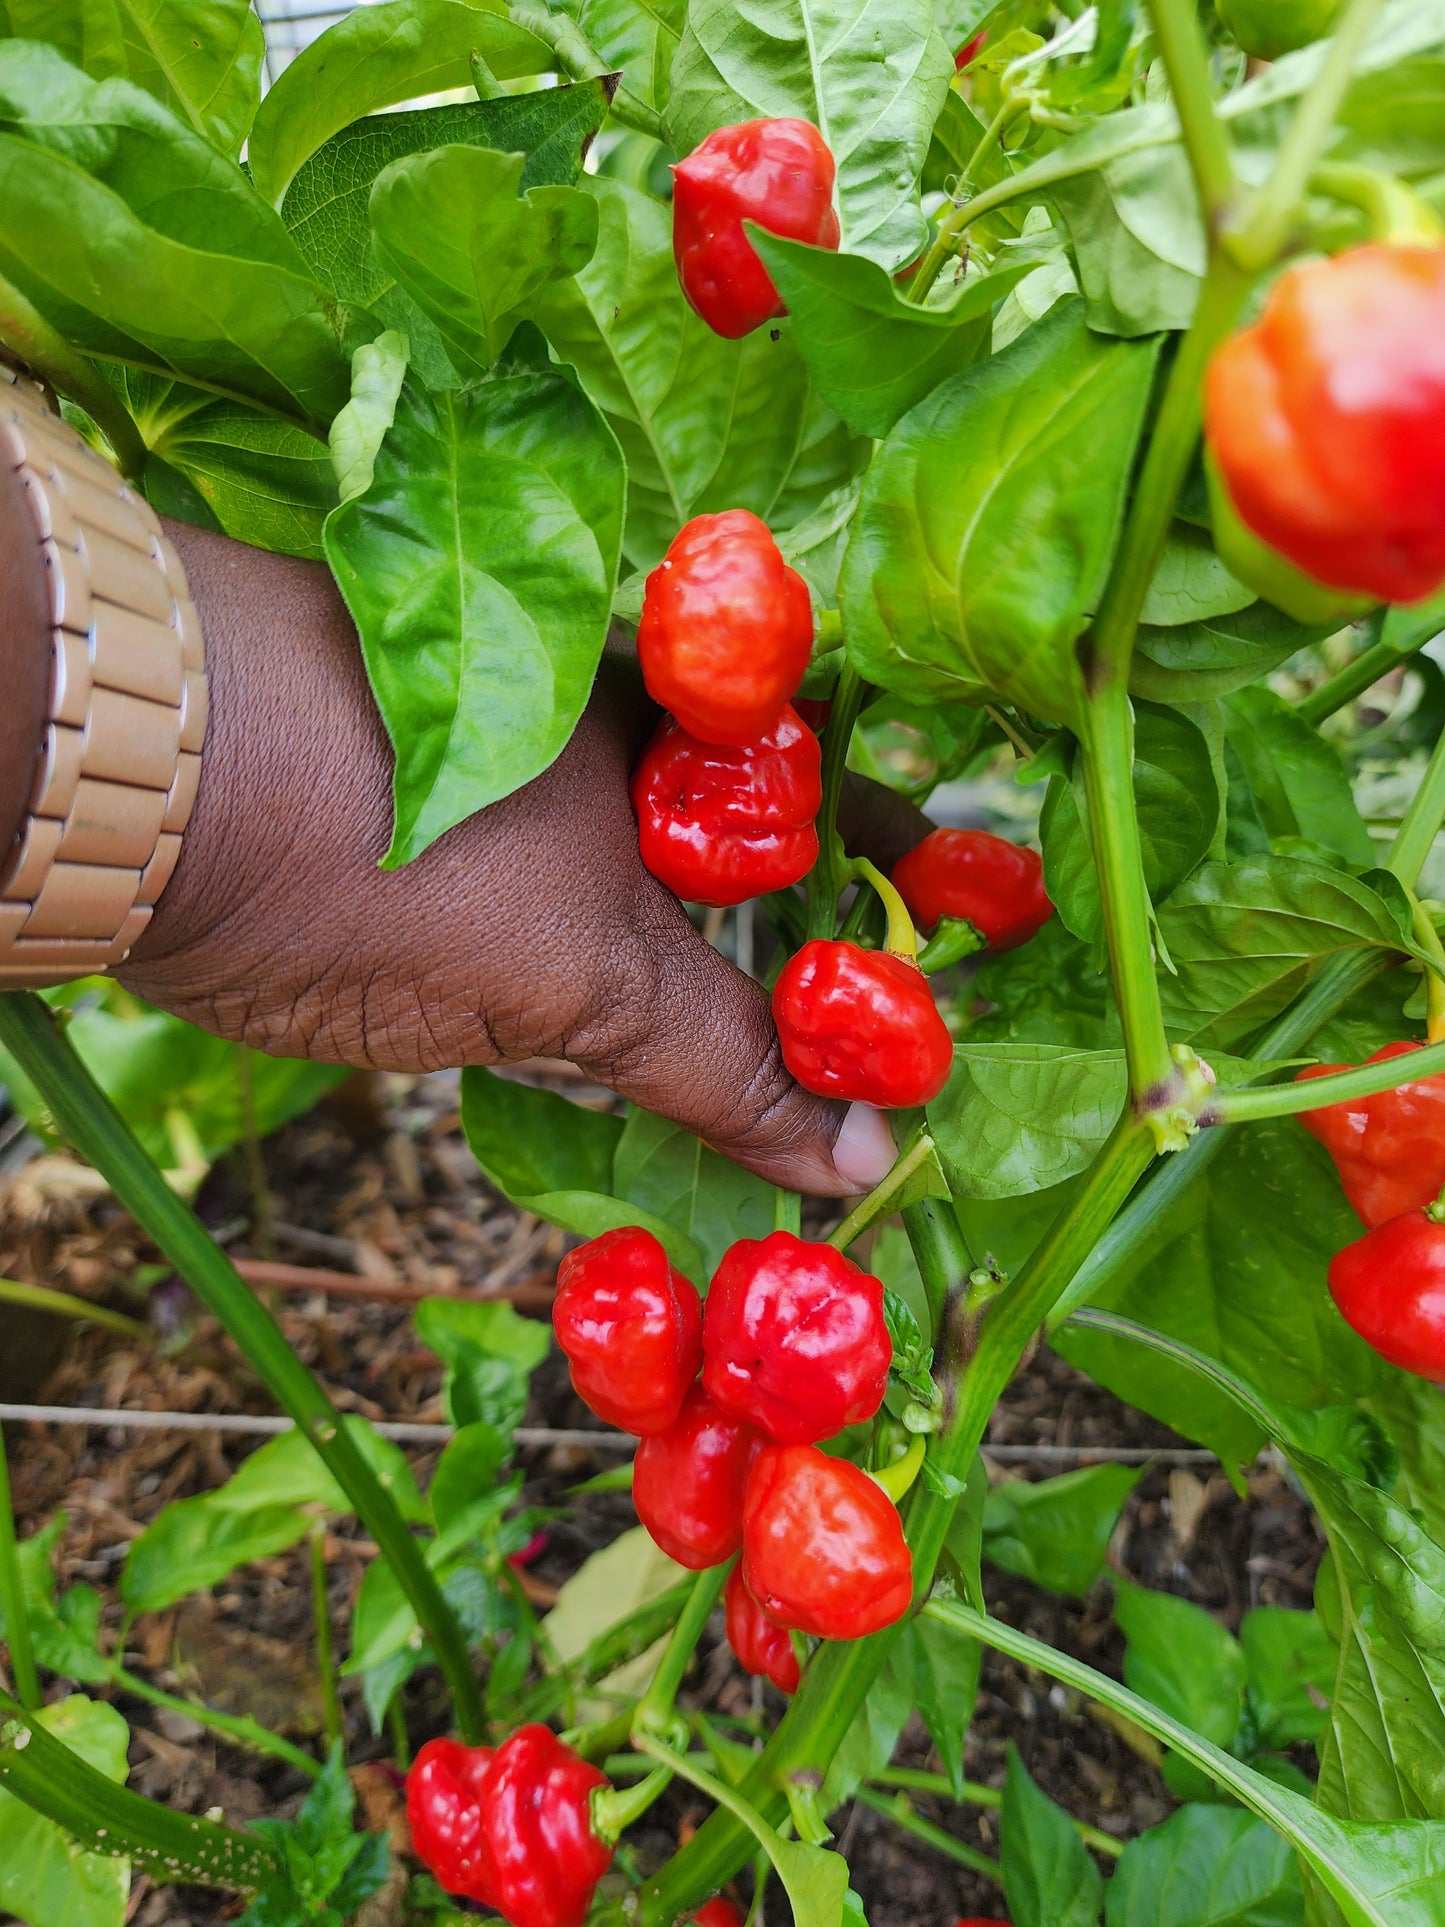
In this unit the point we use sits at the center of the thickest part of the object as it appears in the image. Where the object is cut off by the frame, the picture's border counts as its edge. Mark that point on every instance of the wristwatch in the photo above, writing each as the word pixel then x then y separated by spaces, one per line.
pixel 119 761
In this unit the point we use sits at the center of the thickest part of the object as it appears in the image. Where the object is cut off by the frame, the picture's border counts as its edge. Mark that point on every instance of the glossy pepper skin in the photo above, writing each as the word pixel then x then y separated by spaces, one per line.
pixel 1269 28
pixel 761 1647
pixel 688 1483
pixel 776 173
pixel 996 885
pixel 726 629
pixel 1327 420
pixel 718 1912
pixel 794 1340
pixel 1388 1149
pixel 862 1025
pixel 630 1325
pixel 823 1545
pixel 511 1828
pixel 718 824
pixel 1390 1286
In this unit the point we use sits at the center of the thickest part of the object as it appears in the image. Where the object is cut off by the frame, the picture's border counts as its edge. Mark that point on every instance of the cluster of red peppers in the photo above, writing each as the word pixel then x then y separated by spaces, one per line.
pixel 730 1401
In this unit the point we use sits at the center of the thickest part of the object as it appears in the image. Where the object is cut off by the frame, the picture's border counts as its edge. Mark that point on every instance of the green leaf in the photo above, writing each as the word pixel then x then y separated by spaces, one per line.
pixel 1207 1866
pixel 378 369
pixel 1296 778
pixel 201 59
pixel 1017 1117
pixel 1244 937
pixel 1177 794
pixel 869 1743
pixel 666 1172
pixel 195 1543
pixel 988 519
pixel 374 57
pixel 637 41
pixel 1198 661
pixel 466 1471
pixel 1181 1658
pixel 1048 1876
pixel 288 1470
pixel 705 424
pixel 529 1140
pixel 470 248
pixel 324 1870
pixel 1056 1532
pixel 1191 584
pixel 479 568
pixel 871 77
pixel 945 1687
pixel 1291 1661
pixel 1413 1413
pixel 43 1876
pixel 492 1324
pixel 872 354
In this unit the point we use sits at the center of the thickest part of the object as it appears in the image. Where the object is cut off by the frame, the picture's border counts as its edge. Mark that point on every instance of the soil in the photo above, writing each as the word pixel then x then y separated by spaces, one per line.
pixel 378 1183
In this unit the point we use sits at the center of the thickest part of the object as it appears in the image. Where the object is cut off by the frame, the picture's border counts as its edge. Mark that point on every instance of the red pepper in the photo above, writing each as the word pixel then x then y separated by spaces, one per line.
pixel 1388 1149
pixel 511 1828
pixel 631 1328
pixel 1390 1286
pixel 726 629
pixel 1327 420
pixel 995 885
pixel 720 824
pixel 775 173
pixel 761 1646
pixel 718 1913
pixel 688 1483
pixel 794 1339
pixel 823 1546
pixel 861 1024
pixel 977 1920
pixel 970 50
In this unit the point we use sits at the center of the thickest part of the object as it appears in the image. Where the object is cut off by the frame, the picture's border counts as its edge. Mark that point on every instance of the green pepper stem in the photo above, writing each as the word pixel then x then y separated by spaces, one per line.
pixel 615 1809
pixel 897 1479
pixel 1288 1100
pixel 656 1714
pixel 959 215
pixel 898 1808
pixel 882 1201
pixel 1420 826
pixel 826 881
pixel 12 1598
pixel 1398 215
pixel 579 60
pixel 91 1123
pixel 1428 938
pixel 902 938
pixel 942 1254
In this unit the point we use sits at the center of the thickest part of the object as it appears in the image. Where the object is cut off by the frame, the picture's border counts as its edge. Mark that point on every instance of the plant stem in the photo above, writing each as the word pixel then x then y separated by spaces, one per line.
pixel 1353 680
pixel 1256 244
pixel 400 1738
pixel 1186 61
pixel 882 1201
pixel 32 340
pixel 953 223
pixel 1416 835
pixel 973 1794
pixel 828 873
pixel 1288 1100
pixel 91 1123
pixel 625 1641
pixel 243 1732
pixel 12 1598
pixel 900 1811
pixel 1428 938
pixel 325 1656
pixel 902 938
pixel 941 1250
pixel 616 1809
pixel 104 1818
pixel 42 1298
pixel 579 60
pixel 255 1159
pixel 656 1715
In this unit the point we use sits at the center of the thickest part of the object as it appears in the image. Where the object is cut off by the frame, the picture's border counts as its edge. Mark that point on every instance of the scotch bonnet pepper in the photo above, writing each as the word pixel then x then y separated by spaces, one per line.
pixel 762 1647
pixel 688 1483
pixel 862 1025
pixel 1390 1286
pixel 630 1326
pixel 1389 1149
pixel 995 885
pixel 823 1545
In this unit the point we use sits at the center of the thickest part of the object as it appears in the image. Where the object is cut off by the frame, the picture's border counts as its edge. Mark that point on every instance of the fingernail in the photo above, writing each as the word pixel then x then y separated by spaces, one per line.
pixel 864 1152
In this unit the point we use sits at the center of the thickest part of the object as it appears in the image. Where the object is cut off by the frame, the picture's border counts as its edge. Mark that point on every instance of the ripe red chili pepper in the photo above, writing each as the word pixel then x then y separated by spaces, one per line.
pixel 776 173
pixel 761 1646
pixel 823 1546
pixel 718 1913
pixel 1388 1149
pixel 997 886
pixel 631 1328
pixel 861 1024
pixel 511 1828
pixel 794 1339
pixel 726 629
pixel 977 1920
pixel 1327 420
pixel 1390 1286
pixel 718 824
pixel 688 1483
pixel 970 50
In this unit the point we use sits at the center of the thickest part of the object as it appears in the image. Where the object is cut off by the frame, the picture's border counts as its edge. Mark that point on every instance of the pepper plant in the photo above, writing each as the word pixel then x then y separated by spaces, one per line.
pixel 890 424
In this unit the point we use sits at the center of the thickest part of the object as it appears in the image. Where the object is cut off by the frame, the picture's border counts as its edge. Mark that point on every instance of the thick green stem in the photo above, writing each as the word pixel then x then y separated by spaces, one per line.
pixel 830 871
pixel 1416 835
pixel 942 1253
pixel 953 223
pixel 1186 61
pixel 325 1655
pixel 12 1598
pixel 656 1714
pixel 104 1818
pixel 90 1122
pixel 899 1810
pixel 882 1202
pixel 246 1733
pixel 32 340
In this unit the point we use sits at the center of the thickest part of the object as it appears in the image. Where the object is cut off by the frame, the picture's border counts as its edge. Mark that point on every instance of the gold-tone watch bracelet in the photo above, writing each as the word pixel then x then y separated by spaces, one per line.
pixel 119 764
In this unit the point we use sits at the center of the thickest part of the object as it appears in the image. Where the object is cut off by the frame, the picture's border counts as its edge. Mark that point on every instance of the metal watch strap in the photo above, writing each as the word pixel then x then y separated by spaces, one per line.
pixel 119 764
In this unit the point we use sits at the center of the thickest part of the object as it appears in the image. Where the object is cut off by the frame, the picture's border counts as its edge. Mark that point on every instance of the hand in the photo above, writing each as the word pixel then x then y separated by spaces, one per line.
pixel 530 930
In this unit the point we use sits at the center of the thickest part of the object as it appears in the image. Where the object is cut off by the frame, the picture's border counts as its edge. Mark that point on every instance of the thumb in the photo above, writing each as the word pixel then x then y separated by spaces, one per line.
pixel 691 1038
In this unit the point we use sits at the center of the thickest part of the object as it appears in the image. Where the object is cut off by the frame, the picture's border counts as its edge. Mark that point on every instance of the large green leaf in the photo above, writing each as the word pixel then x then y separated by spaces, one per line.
pixel 375 57
pixel 1206 1866
pixel 1048 1876
pixel 194 1544
pixel 873 355
pixel 471 248
pixel 705 424
pixel 44 1878
pixel 199 58
pixel 529 1140
pixel 1017 1117
pixel 479 569
pixel 1197 661
pixel 1242 938
pixel 1296 779
pixel 989 517
pixel 1181 1658
pixel 636 37
pixel 1177 795
pixel 673 1175
pixel 871 75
